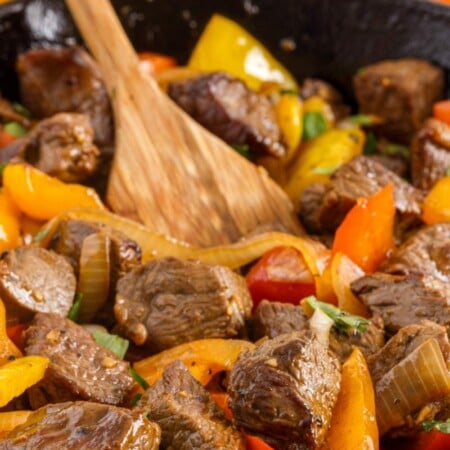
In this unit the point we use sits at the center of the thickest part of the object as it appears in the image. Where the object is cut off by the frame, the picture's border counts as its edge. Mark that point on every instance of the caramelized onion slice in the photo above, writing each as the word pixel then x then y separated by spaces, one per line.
pixel 93 281
pixel 420 378
pixel 320 324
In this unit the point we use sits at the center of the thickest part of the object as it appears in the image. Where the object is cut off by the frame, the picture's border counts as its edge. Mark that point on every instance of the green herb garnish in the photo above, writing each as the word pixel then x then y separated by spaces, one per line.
pixel 243 150
pixel 324 170
pixel 20 109
pixel 342 321
pixel 115 343
pixel 370 146
pixel 139 380
pixel 288 92
pixel 314 123
pixel 75 308
pixel 15 129
pixel 439 425
pixel 135 399
pixel 365 120
pixel 397 150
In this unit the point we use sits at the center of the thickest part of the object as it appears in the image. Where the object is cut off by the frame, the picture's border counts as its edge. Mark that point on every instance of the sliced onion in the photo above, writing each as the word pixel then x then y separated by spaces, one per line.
pixel 420 378
pixel 156 245
pixel 94 276
pixel 320 324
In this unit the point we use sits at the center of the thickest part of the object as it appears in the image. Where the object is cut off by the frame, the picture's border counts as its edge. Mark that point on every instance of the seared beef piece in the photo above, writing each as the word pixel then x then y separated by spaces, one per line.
pixel 284 391
pixel 170 301
pixel 125 253
pixel 83 425
pixel 399 347
pixel 227 108
pixel 33 279
pixel 189 418
pixel 310 206
pixel 430 154
pixel 395 164
pixel 402 92
pixel 360 177
pixel 403 300
pixel 9 114
pixel 314 87
pixel 274 318
pixel 65 79
pixel 62 146
pixel 80 369
pixel 427 251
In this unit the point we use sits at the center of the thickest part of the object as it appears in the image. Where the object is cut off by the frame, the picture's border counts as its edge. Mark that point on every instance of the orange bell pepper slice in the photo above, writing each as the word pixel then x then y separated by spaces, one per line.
pixel 20 374
pixel 14 333
pixel 9 222
pixel 353 424
pixel 204 358
pixel 5 138
pixel 441 110
pixel 42 197
pixel 436 206
pixel 7 347
pixel 152 63
pixel 12 419
pixel 221 398
pixel 367 232
pixel 255 443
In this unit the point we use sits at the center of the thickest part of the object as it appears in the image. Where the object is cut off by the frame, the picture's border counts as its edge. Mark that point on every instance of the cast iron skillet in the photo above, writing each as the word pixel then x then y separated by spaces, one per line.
pixel 333 37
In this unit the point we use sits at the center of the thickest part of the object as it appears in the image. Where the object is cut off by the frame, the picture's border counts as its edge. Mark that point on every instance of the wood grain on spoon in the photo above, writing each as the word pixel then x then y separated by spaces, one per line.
pixel 168 171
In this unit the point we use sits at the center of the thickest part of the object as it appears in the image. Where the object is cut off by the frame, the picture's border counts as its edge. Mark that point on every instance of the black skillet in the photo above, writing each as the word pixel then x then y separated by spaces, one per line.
pixel 333 37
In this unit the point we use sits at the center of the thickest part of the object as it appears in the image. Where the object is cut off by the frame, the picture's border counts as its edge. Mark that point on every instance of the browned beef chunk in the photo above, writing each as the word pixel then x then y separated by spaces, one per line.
pixel 188 416
pixel 426 251
pixel 430 154
pixel 9 114
pixel 284 391
pixel 395 164
pixel 80 369
pixel 274 318
pixel 63 147
pixel 83 426
pixel 403 300
pixel 227 108
pixel 170 301
pixel 313 87
pixel 402 92
pixel 399 347
pixel 33 279
pixel 66 79
pixel 361 177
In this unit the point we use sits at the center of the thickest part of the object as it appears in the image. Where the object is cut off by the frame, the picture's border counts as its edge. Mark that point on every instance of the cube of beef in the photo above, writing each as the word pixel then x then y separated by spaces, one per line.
pixel 79 369
pixel 402 92
pixel 188 416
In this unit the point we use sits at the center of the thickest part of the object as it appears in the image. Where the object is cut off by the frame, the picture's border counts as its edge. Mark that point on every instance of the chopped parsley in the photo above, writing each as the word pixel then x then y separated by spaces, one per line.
pixel 314 123
pixel 112 342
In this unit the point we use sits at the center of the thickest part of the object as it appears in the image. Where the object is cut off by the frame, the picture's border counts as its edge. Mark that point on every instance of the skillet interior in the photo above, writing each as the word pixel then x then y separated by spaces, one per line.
pixel 334 38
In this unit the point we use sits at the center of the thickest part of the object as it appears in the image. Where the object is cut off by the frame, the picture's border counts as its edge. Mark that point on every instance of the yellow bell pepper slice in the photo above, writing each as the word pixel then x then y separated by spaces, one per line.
pixel 204 358
pixel 225 45
pixel 289 112
pixel 320 157
pixel 20 374
pixel 42 197
pixel 353 424
pixel 9 222
pixel 12 419
pixel 7 347
pixel 436 206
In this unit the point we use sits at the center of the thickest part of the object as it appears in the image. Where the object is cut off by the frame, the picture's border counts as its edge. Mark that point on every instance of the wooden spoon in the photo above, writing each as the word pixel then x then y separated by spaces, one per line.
pixel 168 171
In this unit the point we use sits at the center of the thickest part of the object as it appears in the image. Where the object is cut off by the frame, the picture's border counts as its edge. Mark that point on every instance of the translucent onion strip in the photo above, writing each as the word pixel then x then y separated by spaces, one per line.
pixel 156 245
pixel 420 378
pixel 94 276
pixel 320 324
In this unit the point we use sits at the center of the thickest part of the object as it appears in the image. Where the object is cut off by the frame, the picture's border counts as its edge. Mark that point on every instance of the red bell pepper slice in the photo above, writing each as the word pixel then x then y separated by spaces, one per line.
pixel 153 63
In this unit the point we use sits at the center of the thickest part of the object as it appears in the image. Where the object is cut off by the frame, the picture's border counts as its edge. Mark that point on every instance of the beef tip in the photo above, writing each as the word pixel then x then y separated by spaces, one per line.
pixel 396 164
pixel 83 426
pixel 189 418
pixel 65 79
pixel 62 146
pixel 310 206
pixel 403 300
pixel 9 114
pixel 79 369
pixel 427 251
pixel 227 108
pixel 33 279
pixel 399 347
pixel 313 87
pixel 402 92
pixel 284 391
pixel 170 301
pixel 360 177
pixel 430 154
pixel 274 318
